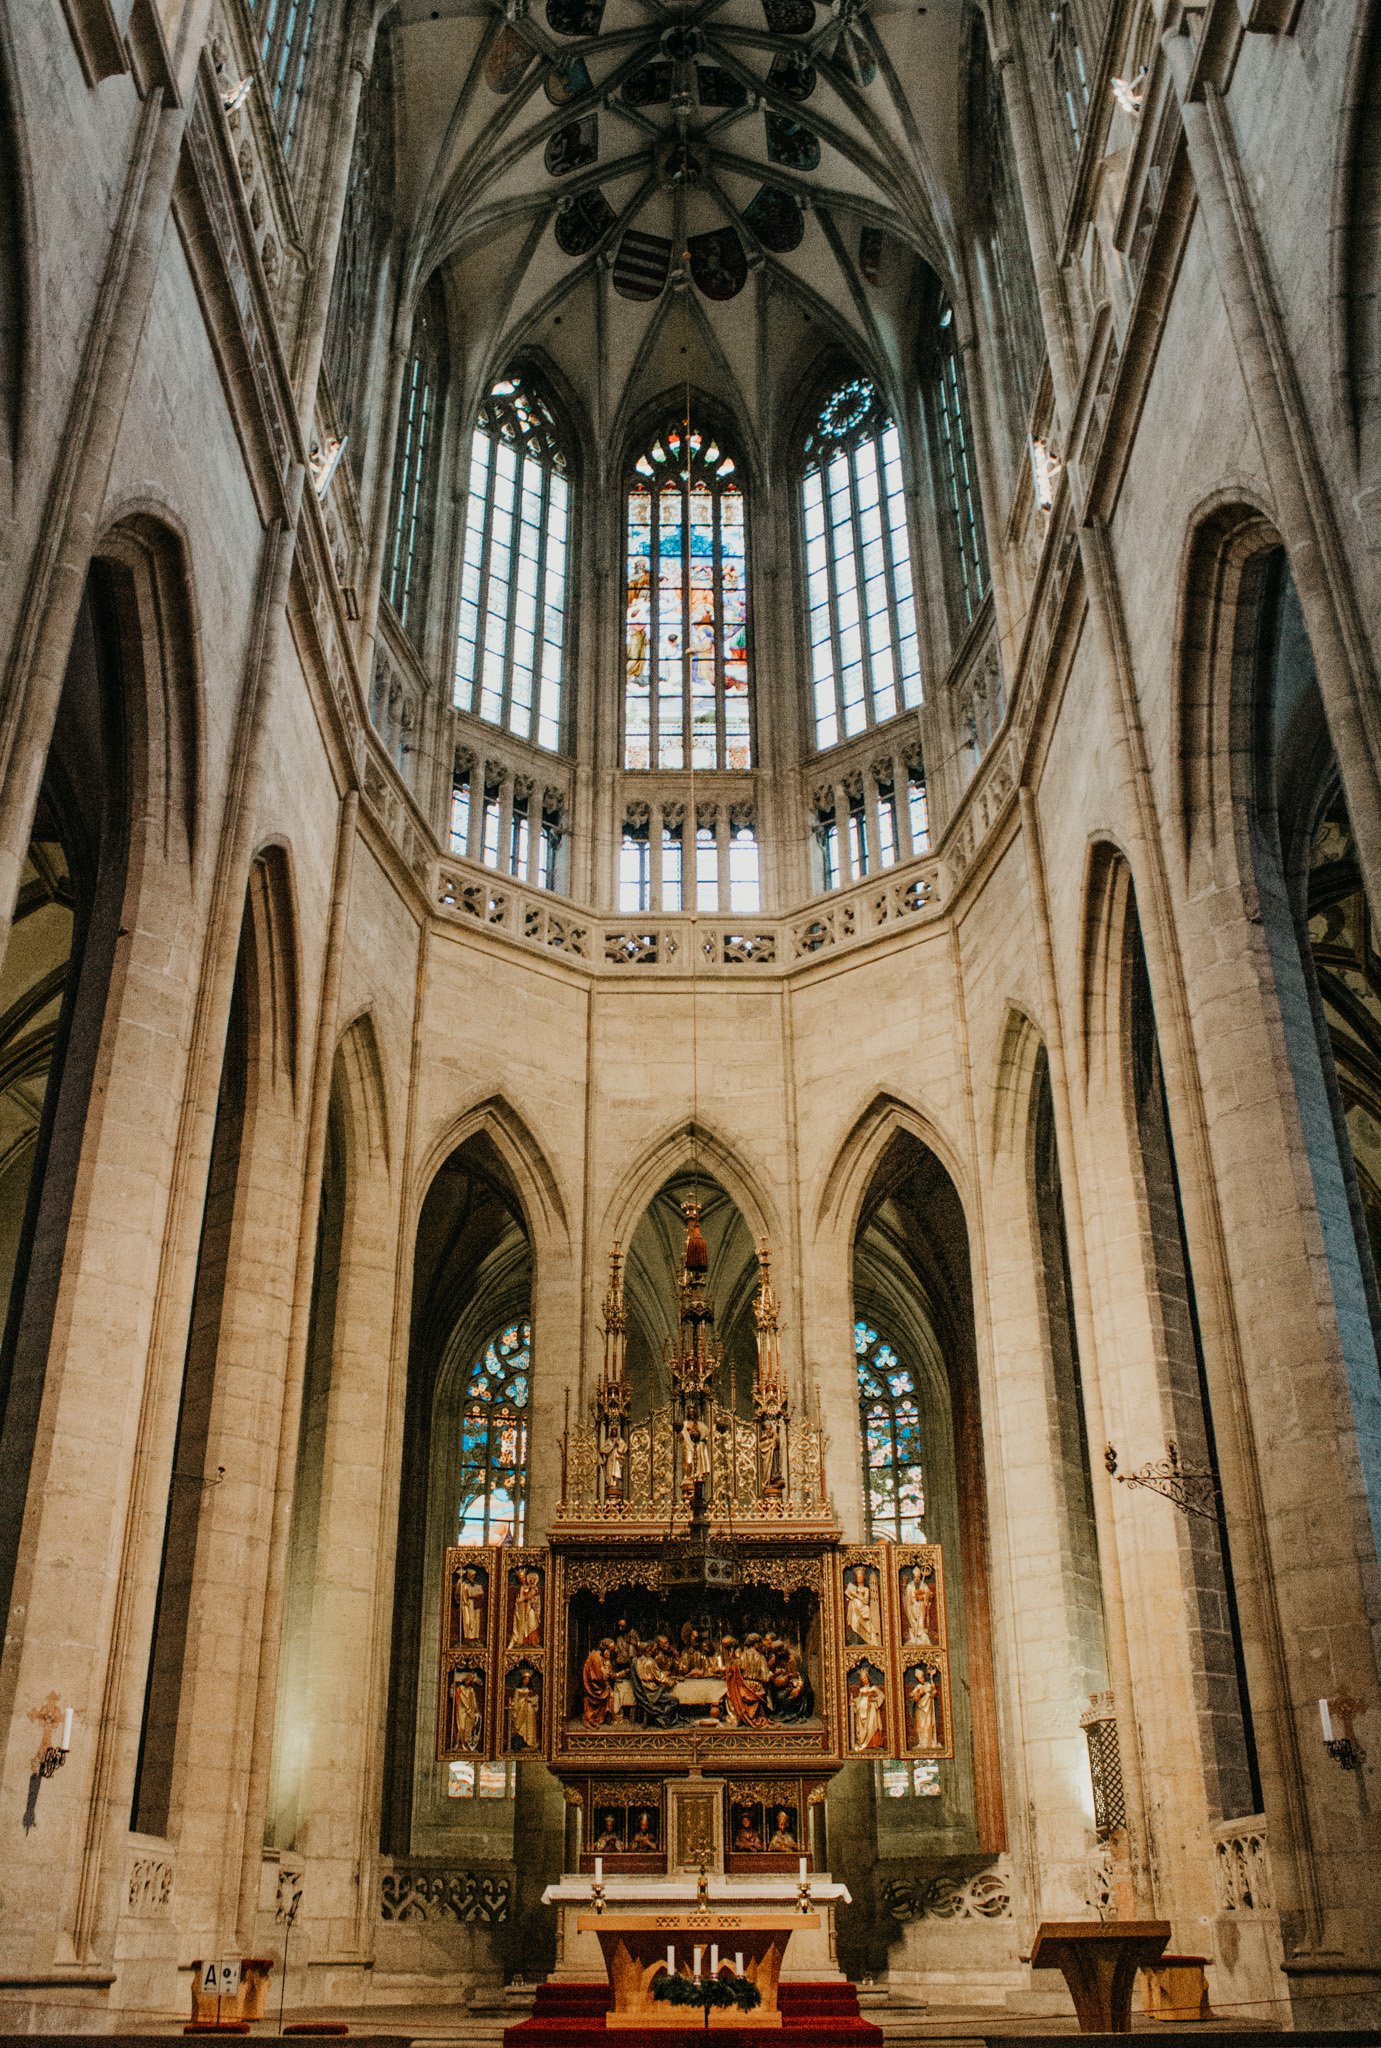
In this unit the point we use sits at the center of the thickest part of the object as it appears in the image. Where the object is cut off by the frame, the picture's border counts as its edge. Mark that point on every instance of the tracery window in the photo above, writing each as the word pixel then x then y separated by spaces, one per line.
pixel 890 1418
pixel 1071 73
pixel 414 463
pixel 864 652
pixel 510 644
pixel 959 492
pixel 285 35
pixel 493 1440
pixel 686 634
pixel 355 284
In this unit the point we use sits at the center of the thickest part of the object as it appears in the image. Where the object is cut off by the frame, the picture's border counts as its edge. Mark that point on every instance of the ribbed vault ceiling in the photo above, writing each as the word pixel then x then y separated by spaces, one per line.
pixel 648 191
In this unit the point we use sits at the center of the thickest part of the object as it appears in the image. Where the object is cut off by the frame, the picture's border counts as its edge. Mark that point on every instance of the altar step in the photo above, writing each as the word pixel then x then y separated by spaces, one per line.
pixel 814 2015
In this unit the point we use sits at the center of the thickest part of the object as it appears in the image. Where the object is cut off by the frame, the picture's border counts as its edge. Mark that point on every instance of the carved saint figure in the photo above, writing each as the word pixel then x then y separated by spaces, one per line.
pixel 465 1710
pixel 609 1842
pixel 792 1697
pixel 522 1711
pixel 747 1837
pixel 613 1454
pixel 597 1684
pixel 526 1631
pixel 865 1711
pixel 782 1840
pixel 918 1605
pixel 644 1842
pixel 650 1675
pixel 921 1698
pixel 860 1608
pixel 695 1451
pixel 470 1600
pixel 745 1681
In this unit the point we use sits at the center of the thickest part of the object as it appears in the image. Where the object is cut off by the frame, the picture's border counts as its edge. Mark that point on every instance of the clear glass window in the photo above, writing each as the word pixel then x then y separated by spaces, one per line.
pixel 860 609
pixel 510 636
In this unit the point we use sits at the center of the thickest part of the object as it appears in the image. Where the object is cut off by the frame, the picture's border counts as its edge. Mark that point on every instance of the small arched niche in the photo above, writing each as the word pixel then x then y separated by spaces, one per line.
pixel 464 1480
pixel 920 1444
pixel 651 1278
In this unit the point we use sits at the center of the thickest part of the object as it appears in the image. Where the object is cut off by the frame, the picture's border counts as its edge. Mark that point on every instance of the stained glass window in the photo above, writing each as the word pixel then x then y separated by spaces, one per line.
pixel 686 642
pixel 493 1440
pixel 510 643
pixel 285 35
pixel 864 652
pixel 890 1416
pixel 414 463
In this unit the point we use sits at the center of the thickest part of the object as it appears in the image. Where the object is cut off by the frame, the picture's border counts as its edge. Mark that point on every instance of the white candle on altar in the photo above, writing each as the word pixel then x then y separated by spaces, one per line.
pixel 599 1870
pixel 714 1958
pixel 803 1866
pixel 695 1965
pixel 738 1962
pixel 671 1959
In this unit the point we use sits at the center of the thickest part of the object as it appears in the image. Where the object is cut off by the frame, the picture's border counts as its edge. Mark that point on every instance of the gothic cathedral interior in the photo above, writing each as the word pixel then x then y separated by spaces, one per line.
pixel 690 1143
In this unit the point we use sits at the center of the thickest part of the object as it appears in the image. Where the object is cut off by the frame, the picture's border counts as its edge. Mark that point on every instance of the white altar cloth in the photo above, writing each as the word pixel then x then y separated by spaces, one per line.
pixel 811 1953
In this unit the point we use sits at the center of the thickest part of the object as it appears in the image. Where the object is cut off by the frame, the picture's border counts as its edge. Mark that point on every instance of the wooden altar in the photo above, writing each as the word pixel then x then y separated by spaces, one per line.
pixel 638 1947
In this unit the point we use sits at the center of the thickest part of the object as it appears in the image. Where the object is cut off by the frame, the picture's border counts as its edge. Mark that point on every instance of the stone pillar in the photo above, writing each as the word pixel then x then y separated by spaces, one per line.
pixel 843 850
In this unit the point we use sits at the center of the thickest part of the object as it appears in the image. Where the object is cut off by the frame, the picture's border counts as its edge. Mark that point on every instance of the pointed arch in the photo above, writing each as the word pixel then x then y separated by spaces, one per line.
pixel 681 1145
pixel 273 970
pixel 145 557
pixel 1018 1056
pixel 1107 896
pixel 1229 544
pixel 861 1150
pixel 359 1076
pixel 534 1177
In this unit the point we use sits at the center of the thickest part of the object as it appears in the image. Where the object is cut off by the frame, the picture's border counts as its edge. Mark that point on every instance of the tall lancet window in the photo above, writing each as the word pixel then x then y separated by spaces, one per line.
pixel 686 639
pixel 510 645
pixel 864 654
pixel 285 35
pixel 414 463
pixel 889 1410
pixel 493 1441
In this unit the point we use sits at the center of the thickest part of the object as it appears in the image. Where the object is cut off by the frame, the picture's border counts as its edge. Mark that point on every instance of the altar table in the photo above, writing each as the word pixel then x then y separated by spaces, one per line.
pixel 1099 1960
pixel 634 1946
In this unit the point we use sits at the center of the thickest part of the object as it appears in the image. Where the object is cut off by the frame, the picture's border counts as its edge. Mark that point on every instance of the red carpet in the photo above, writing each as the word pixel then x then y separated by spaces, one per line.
pixel 813 2016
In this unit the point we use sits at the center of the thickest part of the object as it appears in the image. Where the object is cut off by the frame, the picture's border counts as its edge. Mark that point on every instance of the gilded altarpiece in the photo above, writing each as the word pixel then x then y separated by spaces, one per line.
pixel 695 1609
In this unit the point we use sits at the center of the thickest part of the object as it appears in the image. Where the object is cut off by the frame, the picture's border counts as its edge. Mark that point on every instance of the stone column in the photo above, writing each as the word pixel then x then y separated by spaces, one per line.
pixel 335 183
pixel 843 850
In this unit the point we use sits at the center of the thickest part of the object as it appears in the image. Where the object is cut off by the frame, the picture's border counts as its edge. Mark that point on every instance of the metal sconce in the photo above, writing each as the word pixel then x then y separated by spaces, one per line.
pixel 1344 1748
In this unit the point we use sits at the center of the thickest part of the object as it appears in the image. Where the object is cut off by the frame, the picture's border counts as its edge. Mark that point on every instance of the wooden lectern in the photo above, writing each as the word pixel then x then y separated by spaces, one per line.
pixel 1099 1960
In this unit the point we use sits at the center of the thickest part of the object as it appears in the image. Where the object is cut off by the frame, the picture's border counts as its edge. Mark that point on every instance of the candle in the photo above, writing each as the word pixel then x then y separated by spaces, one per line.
pixel 671 1959
pixel 714 1958
pixel 738 1962
pixel 599 1870
pixel 1326 1719
pixel 803 1866
pixel 695 1964
pixel 66 1742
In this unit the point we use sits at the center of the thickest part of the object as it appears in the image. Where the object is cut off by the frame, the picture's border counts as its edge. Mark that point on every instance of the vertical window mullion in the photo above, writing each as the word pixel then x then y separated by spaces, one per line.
pixel 890 568
pixel 721 707
pixel 539 603
pixel 832 585
pixel 861 582
pixel 654 631
pixel 687 693
pixel 515 567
